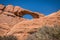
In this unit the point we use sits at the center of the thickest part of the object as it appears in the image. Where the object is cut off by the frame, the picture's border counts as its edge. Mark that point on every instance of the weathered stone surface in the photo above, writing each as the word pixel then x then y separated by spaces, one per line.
pixel 9 14
pixel 29 26
pixel 1 6
pixel 11 20
pixel 40 14
pixel 17 9
pixel 34 14
pixel 4 28
pixel 0 11
pixel 12 23
pixel 9 8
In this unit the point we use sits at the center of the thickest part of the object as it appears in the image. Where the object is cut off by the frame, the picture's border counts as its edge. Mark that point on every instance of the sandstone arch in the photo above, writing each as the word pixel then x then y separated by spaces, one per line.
pixel 23 12
pixel 19 11
pixel 34 15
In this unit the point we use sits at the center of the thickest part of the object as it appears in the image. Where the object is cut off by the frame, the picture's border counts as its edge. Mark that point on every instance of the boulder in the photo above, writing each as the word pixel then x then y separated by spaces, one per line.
pixel 9 8
pixel 17 9
pixel 1 7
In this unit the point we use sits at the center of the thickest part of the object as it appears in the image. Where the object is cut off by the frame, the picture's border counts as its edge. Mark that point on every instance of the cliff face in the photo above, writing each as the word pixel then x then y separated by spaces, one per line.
pixel 12 23
pixel 27 27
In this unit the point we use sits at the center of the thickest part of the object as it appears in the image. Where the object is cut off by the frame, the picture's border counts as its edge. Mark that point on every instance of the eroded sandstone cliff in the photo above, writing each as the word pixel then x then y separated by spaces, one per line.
pixel 12 23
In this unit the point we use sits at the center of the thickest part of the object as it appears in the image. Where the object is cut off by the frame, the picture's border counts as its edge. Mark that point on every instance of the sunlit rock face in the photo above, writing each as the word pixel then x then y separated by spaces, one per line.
pixel 19 11
pixel 1 7
pixel 13 23
pixel 31 26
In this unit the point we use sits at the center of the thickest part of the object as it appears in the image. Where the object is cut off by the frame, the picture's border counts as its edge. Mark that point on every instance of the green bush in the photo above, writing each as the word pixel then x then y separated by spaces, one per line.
pixel 46 33
pixel 8 38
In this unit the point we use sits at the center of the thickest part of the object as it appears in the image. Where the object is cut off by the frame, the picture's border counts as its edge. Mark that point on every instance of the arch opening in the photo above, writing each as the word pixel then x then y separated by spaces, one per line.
pixel 28 16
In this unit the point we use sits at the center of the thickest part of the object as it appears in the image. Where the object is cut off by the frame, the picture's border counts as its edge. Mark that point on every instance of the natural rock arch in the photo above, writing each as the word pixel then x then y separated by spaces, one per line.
pixel 24 12
pixel 19 11
pixel 34 15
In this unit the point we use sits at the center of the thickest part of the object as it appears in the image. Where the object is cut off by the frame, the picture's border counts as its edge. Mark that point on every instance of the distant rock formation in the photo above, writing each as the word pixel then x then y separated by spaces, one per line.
pixel 18 11
pixel 12 23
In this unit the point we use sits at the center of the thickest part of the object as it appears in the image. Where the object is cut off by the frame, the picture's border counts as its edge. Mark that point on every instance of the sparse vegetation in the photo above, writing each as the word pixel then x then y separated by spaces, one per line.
pixel 8 38
pixel 46 33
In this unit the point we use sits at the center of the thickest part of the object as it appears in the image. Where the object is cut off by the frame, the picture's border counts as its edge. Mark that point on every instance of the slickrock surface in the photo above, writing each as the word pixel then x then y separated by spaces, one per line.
pixel 10 20
pixel 31 26
pixel 12 23
pixel 4 28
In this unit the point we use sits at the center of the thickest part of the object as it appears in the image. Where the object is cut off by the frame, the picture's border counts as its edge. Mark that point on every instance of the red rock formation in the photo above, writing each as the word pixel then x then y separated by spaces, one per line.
pixel 9 8
pixel 1 7
pixel 12 23
pixel 34 14
pixel 4 28
pixel 17 9
pixel 26 27
pixel 0 11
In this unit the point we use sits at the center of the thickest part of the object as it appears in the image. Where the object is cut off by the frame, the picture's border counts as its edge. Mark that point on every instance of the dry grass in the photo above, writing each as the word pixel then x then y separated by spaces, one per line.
pixel 8 38
pixel 46 33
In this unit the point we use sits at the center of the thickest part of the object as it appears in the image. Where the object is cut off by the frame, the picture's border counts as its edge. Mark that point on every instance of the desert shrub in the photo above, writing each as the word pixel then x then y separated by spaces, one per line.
pixel 46 33
pixel 8 38
pixel 1 37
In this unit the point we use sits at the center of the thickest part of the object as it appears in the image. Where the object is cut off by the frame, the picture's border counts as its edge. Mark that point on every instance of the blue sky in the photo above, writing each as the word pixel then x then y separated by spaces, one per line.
pixel 43 6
